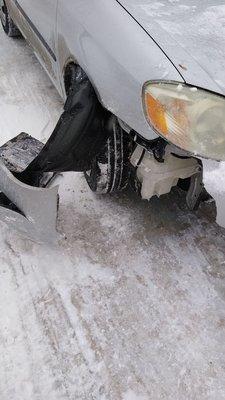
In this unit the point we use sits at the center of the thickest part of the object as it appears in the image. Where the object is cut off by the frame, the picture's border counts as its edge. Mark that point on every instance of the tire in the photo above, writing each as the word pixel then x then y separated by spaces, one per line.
pixel 110 169
pixel 7 23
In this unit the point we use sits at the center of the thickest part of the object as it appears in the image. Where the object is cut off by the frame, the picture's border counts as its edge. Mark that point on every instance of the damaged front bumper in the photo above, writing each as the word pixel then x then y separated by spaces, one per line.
pixel 32 211
pixel 27 204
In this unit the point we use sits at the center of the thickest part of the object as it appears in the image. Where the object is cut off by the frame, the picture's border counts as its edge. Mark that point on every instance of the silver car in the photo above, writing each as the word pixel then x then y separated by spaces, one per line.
pixel 155 66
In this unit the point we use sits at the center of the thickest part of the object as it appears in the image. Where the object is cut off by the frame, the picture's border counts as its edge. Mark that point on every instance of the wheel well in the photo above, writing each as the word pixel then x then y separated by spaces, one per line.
pixel 69 76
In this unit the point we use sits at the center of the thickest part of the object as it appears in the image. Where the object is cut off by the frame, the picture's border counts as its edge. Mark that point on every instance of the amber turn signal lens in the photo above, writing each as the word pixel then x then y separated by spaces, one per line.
pixel 156 114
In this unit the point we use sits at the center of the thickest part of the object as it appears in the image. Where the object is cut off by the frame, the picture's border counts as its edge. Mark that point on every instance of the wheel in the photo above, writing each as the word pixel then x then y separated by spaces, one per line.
pixel 110 169
pixel 8 25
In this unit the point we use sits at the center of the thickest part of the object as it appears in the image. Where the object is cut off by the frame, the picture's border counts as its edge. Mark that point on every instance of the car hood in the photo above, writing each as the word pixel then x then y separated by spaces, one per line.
pixel 191 33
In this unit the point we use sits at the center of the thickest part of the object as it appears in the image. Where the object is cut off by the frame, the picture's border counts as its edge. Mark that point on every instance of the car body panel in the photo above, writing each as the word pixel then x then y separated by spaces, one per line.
pixel 28 24
pixel 116 54
pixel 42 13
pixel 181 28
pixel 125 44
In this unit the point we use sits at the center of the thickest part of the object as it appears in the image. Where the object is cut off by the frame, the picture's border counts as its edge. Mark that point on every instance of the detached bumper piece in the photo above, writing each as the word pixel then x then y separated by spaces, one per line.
pixel 31 210
pixel 26 202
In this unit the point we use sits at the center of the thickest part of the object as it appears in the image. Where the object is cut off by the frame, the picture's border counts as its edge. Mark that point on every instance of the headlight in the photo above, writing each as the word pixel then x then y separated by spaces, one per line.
pixel 190 118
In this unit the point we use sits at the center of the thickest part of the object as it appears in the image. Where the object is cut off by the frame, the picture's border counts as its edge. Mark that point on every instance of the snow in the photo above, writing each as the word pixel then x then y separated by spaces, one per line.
pixel 130 395
pixel 24 109
pixel 129 305
pixel 214 181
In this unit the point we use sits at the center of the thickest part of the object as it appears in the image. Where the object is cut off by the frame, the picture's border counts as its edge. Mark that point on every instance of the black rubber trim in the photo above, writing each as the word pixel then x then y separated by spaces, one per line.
pixel 36 31
pixel 151 38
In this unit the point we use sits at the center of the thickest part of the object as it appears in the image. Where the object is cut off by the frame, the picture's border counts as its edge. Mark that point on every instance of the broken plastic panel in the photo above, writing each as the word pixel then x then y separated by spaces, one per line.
pixel 77 138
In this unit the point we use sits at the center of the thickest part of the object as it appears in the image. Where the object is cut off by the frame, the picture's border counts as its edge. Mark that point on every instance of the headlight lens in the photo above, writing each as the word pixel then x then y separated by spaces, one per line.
pixel 190 118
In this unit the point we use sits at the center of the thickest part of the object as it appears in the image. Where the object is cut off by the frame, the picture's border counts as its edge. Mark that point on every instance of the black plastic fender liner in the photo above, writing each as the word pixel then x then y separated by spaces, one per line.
pixel 78 136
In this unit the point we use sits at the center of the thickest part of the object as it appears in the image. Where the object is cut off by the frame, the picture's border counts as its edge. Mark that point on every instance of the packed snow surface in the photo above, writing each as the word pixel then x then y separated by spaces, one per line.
pixel 130 305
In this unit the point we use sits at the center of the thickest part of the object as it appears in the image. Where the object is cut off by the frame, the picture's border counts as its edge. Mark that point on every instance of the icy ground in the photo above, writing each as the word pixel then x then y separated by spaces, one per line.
pixel 130 306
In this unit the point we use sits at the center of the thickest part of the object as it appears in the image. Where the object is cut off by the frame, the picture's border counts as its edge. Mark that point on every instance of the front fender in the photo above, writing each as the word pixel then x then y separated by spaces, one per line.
pixel 116 53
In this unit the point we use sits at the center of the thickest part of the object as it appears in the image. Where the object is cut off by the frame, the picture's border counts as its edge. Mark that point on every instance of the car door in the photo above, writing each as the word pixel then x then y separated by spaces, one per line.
pixel 38 27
